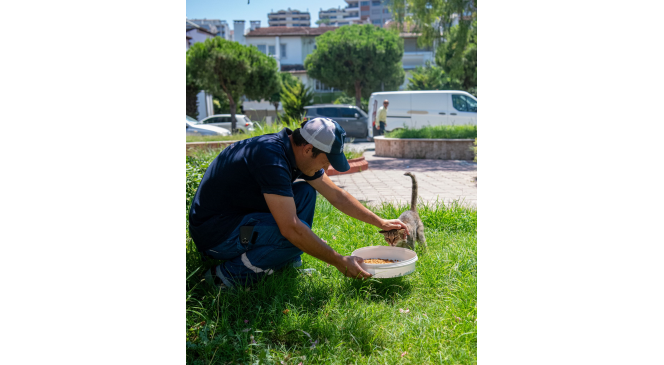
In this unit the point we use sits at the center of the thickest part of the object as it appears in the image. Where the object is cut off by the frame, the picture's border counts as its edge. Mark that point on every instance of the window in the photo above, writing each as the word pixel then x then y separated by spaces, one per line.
pixel 377 22
pixel 271 50
pixel 376 3
pixel 364 3
pixel 328 112
pixel 348 112
pixel 463 103
pixel 261 47
pixel 283 51
pixel 386 11
pixel 364 12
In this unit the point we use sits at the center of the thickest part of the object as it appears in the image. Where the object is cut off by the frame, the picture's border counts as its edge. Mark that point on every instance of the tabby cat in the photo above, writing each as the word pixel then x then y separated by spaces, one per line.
pixel 398 237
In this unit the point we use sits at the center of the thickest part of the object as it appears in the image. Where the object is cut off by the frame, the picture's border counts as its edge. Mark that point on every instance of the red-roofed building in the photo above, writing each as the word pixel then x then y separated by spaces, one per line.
pixel 295 44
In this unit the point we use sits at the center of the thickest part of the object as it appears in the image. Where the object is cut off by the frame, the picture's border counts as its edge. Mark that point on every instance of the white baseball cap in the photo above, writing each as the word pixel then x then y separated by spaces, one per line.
pixel 328 136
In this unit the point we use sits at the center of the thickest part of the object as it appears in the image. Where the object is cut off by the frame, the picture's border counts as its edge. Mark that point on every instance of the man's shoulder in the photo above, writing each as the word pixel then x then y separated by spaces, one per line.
pixel 268 149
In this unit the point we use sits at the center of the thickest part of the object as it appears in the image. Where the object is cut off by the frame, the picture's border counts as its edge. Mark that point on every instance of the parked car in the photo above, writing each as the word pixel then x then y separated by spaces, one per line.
pixel 351 118
pixel 242 122
pixel 194 129
pixel 416 109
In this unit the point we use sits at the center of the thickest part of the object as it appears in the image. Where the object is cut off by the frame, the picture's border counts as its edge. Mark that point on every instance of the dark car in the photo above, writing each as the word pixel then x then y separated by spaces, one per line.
pixel 351 118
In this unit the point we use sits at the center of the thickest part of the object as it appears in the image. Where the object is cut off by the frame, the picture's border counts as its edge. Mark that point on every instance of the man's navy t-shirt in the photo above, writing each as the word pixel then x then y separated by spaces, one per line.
pixel 234 184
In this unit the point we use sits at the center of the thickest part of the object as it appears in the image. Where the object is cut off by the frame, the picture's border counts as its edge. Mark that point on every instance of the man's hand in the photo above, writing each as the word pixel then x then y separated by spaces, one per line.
pixel 350 267
pixel 378 126
pixel 390 224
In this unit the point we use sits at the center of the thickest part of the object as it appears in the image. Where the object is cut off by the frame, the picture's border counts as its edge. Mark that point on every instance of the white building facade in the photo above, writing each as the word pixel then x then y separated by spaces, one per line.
pixel 290 46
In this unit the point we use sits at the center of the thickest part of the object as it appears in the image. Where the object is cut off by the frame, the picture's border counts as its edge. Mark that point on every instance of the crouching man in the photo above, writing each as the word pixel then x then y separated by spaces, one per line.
pixel 248 209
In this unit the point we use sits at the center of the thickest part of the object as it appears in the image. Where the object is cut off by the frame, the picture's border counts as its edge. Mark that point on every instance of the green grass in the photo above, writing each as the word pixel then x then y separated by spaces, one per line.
pixel 441 131
pixel 353 322
pixel 352 152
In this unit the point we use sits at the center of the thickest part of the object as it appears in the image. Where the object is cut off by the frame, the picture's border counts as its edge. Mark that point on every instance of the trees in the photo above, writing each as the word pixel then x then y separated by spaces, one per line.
pixel 435 21
pixel 285 78
pixel 294 98
pixel 431 78
pixel 357 59
pixel 345 99
pixel 228 68
pixel 458 57
pixel 192 95
pixel 192 100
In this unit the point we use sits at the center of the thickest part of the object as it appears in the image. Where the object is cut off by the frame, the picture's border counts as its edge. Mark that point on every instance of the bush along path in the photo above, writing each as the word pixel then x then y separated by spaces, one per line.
pixel 429 316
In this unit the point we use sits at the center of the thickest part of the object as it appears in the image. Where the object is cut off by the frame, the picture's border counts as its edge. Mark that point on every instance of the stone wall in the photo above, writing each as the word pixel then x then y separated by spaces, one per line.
pixel 439 149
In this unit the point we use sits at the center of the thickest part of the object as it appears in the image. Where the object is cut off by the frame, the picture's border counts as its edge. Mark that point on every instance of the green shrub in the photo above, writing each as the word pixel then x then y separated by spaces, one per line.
pixel 294 99
pixel 475 149
pixel 465 131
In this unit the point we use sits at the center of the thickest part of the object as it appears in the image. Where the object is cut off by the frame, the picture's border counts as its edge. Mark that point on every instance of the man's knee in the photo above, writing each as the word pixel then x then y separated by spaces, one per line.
pixel 303 193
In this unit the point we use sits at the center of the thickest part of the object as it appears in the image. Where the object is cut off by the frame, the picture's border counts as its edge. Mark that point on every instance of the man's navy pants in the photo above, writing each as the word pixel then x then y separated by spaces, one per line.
pixel 270 251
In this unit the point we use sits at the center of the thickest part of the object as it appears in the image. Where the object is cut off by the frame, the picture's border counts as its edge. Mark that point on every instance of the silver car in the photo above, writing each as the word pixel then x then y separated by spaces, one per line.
pixel 193 129
pixel 243 123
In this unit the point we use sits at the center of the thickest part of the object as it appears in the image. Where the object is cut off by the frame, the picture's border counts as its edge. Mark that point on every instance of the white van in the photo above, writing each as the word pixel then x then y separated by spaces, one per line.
pixel 416 109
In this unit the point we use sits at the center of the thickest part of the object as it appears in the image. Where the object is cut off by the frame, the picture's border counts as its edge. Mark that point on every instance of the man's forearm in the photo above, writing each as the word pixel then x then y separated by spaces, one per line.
pixel 350 206
pixel 303 238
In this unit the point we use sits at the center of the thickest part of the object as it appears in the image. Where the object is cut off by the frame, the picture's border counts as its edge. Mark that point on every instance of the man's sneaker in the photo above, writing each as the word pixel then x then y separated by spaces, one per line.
pixel 212 279
pixel 297 262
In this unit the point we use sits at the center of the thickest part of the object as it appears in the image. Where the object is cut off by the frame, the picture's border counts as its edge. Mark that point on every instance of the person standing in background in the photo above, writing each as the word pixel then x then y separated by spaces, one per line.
pixel 382 119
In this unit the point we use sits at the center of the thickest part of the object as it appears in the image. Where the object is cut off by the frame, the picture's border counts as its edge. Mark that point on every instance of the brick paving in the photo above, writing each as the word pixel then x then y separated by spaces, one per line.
pixel 442 180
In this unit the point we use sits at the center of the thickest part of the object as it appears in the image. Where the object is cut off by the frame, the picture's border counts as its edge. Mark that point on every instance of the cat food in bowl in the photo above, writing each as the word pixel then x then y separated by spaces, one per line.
pixel 379 261
pixel 387 261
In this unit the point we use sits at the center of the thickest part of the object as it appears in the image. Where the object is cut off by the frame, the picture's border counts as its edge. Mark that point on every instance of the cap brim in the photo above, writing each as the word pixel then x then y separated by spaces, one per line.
pixel 338 161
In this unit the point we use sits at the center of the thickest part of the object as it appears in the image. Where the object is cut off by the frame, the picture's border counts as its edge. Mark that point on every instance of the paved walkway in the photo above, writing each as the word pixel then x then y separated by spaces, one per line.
pixel 445 180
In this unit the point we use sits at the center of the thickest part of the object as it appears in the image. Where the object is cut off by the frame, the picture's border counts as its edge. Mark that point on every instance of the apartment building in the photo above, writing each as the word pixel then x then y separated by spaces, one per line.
pixel 289 18
pixel 358 12
pixel 217 27
pixel 374 12
pixel 341 16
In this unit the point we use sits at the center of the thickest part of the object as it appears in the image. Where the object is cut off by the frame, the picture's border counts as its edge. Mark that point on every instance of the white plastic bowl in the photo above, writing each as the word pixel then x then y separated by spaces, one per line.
pixel 405 266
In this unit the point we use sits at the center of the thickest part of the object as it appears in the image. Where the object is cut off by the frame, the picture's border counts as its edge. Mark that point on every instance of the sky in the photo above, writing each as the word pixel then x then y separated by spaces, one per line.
pixel 230 10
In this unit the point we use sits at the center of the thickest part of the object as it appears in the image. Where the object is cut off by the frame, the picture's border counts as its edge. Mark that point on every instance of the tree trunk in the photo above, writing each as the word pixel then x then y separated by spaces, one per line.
pixel 358 95
pixel 192 101
pixel 233 122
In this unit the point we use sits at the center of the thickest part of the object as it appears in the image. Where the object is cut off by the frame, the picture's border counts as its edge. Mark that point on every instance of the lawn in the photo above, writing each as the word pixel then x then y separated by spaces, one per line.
pixel 290 317
pixel 440 131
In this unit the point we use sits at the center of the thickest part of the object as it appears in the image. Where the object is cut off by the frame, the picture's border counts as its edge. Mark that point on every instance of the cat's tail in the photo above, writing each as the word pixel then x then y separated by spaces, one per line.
pixel 413 200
